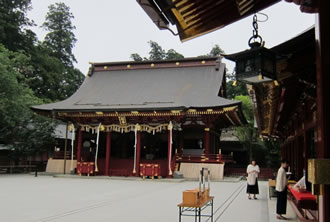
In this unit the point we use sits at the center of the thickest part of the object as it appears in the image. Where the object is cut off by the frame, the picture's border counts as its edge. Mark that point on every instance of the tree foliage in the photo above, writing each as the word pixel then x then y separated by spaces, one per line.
pixel 158 53
pixel 14 32
pixel 60 38
pixel 20 129
pixel 33 72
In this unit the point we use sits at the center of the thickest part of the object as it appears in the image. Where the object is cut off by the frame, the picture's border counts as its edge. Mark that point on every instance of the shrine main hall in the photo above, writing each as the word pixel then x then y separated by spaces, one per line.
pixel 164 113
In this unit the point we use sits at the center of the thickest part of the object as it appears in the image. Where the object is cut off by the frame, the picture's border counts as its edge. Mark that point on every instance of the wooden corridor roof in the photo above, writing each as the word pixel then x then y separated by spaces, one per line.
pixel 197 17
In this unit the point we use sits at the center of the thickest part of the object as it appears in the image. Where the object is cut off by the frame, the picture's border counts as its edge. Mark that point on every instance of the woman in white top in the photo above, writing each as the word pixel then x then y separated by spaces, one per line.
pixel 281 188
pixel 252 179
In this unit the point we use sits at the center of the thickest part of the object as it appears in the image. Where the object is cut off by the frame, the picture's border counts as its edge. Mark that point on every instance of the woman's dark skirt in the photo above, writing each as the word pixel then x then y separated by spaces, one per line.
pixel 253 189
pixel 281 202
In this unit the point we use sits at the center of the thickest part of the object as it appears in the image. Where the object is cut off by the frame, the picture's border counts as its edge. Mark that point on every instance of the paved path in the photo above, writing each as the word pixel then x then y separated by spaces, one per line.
pixel 24 198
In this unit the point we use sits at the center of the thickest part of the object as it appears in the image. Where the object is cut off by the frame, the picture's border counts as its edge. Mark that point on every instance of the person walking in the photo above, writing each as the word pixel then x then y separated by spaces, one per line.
pixel 252 180
pixel 281 188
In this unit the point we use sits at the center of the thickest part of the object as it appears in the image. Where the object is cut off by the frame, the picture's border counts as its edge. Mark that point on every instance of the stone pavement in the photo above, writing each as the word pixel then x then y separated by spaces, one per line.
pixel 25 198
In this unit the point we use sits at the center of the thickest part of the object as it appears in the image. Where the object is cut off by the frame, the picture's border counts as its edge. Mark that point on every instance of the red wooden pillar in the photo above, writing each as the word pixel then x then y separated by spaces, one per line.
pixel 79 145
pixel 207 141
pixel 138 152
pixel 169 154
pixel 107 153
pixel 322 35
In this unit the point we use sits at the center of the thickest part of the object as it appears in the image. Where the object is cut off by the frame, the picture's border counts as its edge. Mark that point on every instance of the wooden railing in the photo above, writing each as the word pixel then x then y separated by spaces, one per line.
pixel 60 155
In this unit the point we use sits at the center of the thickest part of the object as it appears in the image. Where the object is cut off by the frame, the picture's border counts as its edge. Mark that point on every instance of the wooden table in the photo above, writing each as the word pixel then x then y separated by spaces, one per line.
pixel 196 210
pixel 271 187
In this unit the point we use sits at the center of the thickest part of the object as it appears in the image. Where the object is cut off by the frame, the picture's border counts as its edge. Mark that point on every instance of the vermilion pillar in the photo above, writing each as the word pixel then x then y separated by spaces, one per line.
pixel 169 154
pixel 79 145
pixel 107 153
pixel 322 43
pixel 207 141
pixel 138 152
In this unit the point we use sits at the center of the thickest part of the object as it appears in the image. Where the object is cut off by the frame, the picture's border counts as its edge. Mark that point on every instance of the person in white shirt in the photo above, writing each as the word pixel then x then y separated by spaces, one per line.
pixel 281 188
pixel 252 180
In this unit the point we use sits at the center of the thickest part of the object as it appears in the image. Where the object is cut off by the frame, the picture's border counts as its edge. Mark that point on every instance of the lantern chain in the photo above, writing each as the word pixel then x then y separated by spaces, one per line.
pixel 256 38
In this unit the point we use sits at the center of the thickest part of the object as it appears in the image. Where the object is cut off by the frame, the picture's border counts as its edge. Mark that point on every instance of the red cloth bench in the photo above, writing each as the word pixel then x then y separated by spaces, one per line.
pixel 302 195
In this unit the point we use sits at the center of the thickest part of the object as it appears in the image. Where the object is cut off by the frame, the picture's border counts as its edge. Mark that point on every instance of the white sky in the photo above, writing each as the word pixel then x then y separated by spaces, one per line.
pixel 109 30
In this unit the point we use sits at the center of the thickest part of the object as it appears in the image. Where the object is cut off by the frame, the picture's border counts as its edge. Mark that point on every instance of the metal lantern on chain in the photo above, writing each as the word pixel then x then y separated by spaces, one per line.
pixel 257 64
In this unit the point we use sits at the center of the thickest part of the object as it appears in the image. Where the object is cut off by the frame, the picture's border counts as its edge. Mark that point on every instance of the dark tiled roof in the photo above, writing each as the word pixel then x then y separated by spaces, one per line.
pixel 178 86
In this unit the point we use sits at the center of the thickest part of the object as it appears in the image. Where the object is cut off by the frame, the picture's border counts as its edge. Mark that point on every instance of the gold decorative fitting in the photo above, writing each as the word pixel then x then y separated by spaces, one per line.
pixel 192 110
pixel 138 128
pixel 260 77
pixel 99 113
pixel 235 83
pixel 207 129
pixel 177 63
pixel 135 112
pixel 102 128
pixel 105 67
pixel 203 62
pixel 152 65
pixel 209 110
pixel 122 120
pixel 175 111
pixel 128 66
pixel 276 83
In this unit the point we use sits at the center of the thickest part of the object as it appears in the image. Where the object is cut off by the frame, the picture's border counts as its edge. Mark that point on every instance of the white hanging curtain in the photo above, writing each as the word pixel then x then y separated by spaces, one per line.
pixel 170 127
pixel 135 136
pixel 72 145
pixel 97 146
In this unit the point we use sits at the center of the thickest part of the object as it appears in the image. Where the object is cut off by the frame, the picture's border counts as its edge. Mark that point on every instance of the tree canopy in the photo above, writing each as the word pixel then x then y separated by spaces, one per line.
pixel 20 130
pixel 60 38
pixel 33 72
pixel 158 53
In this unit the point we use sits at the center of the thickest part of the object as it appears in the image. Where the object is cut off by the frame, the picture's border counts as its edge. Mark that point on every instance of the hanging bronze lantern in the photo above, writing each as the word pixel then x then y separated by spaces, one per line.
pixel 256 64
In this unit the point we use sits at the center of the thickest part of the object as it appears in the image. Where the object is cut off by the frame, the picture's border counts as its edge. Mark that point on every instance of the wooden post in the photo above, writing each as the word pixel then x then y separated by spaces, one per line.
pixel 322 35
pixel 138 152
pixel 65 145
pixel 207 141
pixel 79 145
pixel 107 154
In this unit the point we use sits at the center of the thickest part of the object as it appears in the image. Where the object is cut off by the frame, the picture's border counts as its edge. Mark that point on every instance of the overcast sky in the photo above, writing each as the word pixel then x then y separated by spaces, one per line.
pixel 109 30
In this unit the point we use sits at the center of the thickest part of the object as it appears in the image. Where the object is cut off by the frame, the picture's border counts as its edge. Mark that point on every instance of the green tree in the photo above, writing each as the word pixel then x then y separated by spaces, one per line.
pixel 136 57
pixel 172 54
pixel 20 130
pixel 60 37
pixel 14 32
pixel 216 51
pixel 157 53
pixel 247 134
pixel 60 40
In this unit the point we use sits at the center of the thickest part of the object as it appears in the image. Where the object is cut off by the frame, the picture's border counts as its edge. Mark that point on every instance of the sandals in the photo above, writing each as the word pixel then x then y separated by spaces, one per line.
pixel 280 217
pixel 250 198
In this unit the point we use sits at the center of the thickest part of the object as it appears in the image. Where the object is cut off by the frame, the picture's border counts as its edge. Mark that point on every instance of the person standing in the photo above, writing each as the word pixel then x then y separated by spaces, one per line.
pixel 281 188
pixel 252 180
